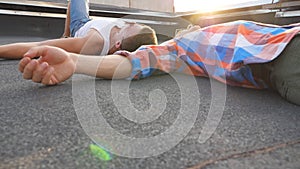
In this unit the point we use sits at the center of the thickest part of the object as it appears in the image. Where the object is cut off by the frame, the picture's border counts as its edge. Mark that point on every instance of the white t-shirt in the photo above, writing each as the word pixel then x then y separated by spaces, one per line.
pixel 103 26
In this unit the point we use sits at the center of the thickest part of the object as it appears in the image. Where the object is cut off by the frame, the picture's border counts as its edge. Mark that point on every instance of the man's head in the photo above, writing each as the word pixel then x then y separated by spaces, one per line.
pixel 134 35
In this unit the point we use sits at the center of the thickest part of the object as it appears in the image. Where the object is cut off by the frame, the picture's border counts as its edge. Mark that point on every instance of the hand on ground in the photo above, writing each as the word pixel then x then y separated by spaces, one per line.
pixel 53 65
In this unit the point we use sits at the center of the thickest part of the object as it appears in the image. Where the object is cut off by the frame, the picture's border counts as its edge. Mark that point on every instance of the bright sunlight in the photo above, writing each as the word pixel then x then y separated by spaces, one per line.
pixel 213 5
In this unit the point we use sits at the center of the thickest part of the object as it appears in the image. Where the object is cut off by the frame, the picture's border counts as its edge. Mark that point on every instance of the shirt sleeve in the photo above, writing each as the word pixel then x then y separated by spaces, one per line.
pixel 149 58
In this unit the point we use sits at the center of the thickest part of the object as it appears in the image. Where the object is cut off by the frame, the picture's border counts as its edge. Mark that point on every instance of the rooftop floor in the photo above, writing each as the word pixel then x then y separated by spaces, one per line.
pixel 40 127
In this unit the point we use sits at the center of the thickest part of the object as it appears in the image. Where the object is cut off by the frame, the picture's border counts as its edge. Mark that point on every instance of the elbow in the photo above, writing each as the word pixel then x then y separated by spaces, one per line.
pixel 114 67
pixel 122 70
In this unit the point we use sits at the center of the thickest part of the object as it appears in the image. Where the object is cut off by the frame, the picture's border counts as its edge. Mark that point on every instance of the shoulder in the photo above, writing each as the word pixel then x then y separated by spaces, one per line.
pixel 94 35
pixel 93 42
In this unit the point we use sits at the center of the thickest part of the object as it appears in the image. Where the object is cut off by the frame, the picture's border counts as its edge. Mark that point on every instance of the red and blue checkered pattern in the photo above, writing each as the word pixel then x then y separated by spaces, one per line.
pixel 220 51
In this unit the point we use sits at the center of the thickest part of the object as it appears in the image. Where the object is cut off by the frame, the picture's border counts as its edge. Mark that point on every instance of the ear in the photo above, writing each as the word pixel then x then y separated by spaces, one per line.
pixel 118 44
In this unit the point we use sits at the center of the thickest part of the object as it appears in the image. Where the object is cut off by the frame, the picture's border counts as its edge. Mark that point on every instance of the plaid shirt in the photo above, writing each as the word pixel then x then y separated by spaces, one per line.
pixel 222 52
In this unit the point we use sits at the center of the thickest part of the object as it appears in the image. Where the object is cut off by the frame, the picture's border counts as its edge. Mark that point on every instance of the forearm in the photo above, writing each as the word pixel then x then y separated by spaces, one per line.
pixel 108 67
pixel 15 50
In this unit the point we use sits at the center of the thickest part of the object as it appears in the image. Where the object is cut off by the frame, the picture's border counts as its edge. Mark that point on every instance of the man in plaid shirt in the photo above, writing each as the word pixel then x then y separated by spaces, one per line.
pixel 240 53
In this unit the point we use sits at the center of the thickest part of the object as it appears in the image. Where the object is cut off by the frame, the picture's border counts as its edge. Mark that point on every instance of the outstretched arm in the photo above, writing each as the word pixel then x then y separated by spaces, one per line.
pixel 55 65
pixel 91 44
pixel 17 50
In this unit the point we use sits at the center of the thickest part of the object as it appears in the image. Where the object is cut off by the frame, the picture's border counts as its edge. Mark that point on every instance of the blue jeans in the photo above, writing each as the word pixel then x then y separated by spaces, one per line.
pixel 79 15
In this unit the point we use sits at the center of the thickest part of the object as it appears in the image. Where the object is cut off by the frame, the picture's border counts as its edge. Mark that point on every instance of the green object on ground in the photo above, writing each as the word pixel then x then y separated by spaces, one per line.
pixel 100 152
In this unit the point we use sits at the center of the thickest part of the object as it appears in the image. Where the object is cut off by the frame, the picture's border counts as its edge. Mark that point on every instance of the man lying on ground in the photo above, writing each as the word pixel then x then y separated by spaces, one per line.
pixel 240 53
pixel 92 37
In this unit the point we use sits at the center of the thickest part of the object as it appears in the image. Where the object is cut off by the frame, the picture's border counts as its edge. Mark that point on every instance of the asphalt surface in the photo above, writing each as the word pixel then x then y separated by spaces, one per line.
pixel 40 126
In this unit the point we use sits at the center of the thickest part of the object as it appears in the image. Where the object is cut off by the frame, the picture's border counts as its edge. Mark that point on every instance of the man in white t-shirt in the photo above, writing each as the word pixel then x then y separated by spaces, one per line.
pixel 91 37
pixel 110 32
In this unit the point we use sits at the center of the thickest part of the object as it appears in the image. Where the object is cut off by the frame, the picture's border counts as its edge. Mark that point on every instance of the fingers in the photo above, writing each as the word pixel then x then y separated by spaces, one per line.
pixel 23 63
pixel 29 69
pixel 39 72
pixel 47 79
pixel 36 52
pixel 32 53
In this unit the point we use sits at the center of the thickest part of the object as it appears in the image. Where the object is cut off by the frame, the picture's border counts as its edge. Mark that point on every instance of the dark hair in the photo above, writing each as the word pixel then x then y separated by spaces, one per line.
pixel 146 36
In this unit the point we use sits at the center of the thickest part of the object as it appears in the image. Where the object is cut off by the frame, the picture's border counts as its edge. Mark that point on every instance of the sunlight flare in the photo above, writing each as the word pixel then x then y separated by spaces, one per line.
pixel 211 5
